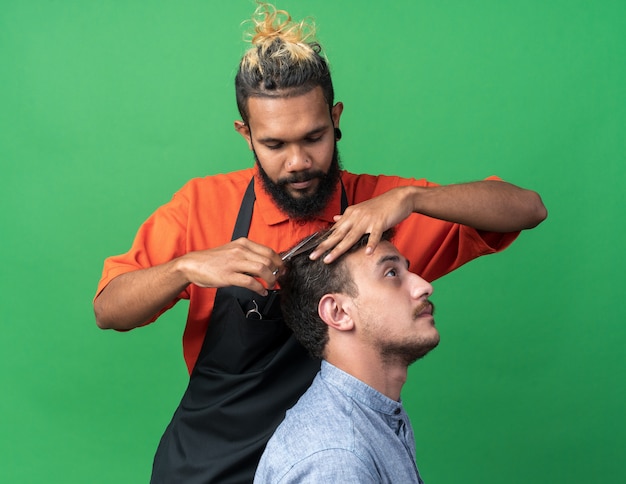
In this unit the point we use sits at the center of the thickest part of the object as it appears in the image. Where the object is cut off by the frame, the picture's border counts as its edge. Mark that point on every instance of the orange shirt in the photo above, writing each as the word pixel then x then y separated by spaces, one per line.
pixel 202 214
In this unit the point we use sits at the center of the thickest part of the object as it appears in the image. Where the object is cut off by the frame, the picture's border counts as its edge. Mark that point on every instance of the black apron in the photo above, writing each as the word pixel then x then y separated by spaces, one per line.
pixel 248 373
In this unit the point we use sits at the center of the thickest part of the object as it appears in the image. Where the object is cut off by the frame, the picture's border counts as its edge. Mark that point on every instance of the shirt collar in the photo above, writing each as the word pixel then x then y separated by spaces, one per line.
pixel 273 215
pixel 359 391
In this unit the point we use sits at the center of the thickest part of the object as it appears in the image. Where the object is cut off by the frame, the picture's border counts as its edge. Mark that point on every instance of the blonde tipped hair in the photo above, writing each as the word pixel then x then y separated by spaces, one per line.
pixel 285 59
pixel 271 24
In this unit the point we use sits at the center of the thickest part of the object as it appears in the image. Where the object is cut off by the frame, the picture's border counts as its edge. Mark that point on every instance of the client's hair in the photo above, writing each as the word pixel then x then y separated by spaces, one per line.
pixel 303 284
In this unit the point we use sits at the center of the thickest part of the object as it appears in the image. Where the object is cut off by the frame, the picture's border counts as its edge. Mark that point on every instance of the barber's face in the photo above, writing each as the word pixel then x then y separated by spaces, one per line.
pixel 393 313
pixel 293 140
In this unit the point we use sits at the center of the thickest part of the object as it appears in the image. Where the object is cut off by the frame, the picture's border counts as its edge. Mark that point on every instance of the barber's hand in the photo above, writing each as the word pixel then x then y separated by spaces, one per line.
pixel 240 263
pixel 372 217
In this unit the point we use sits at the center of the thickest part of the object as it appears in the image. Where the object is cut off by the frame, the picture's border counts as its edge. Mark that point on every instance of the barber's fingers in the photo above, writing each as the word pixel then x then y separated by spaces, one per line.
pixel 240 263
pixel 337 243
pixel 373 217
pixel 347 231
pixel 255 261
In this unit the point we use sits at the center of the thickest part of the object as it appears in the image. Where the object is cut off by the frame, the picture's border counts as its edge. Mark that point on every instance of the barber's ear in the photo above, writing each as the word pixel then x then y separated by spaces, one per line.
pixel 244 130
pixel 335 113
pixel 334 309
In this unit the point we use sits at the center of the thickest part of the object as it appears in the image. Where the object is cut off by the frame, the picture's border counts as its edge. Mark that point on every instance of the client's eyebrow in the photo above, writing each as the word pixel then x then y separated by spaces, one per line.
pixel 392 258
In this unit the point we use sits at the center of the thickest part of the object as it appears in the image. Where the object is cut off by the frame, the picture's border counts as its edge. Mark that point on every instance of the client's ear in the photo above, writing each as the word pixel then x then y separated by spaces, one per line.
pixel 334 309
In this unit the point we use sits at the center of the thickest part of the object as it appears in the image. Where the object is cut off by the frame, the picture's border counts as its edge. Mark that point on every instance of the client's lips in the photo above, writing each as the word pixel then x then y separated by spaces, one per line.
pixel 424 309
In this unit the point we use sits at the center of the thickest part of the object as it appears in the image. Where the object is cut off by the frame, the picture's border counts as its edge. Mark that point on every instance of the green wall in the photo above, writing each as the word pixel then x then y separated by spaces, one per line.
pixel 106 108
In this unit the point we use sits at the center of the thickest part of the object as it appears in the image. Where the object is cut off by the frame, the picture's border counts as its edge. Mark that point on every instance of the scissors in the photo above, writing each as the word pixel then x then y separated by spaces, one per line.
pixel 306 244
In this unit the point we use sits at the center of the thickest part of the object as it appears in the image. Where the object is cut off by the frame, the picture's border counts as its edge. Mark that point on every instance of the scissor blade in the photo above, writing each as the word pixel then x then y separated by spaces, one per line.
pixel 296 248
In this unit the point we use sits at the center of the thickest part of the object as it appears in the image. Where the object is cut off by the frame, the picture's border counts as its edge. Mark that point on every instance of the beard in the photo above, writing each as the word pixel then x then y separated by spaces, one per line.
pixel 408 352
pixel 305 206
pixel 409 349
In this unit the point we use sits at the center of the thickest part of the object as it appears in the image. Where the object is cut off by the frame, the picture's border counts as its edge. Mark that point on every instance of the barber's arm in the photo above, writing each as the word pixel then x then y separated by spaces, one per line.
pixel 489 205
pixel 132 299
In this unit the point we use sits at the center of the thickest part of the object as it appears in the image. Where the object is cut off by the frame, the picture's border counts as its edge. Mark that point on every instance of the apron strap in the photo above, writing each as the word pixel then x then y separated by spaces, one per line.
pixel 242 225
pixel 344 197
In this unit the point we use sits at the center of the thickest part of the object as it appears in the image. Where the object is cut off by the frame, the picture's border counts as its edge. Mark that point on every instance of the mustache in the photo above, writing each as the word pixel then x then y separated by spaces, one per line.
pixel 424 307
pixel 301 176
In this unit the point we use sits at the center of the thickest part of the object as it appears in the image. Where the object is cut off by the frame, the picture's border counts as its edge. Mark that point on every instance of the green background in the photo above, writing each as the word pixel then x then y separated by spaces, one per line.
pixel 108 107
